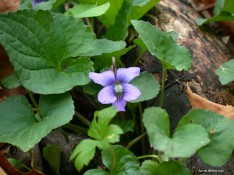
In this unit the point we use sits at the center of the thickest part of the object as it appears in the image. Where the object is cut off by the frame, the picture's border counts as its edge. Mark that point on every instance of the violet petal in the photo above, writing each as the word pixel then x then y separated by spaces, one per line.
pixel 35 2
pixel 130 92
pixel 125 75
pixel 105 78
pixel 107 95
pixel 119 104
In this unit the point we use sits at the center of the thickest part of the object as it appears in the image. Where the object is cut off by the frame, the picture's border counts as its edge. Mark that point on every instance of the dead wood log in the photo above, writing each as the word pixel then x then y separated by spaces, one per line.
pixel 207 50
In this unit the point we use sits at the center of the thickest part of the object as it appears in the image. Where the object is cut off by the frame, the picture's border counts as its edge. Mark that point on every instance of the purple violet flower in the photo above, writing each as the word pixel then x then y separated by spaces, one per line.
pixel 117 89
pixel 35 2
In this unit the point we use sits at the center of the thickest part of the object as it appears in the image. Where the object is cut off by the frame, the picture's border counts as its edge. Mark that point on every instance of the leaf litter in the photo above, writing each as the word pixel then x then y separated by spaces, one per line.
pixel 197 101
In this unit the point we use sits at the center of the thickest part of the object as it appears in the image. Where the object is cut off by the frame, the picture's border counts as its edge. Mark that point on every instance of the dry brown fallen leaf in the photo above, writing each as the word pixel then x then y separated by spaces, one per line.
pixel 197 101
pixel 10 170
pixel 2 172
pixel 9 5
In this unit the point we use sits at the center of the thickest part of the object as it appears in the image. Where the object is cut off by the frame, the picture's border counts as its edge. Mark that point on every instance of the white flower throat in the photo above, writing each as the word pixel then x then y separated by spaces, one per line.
pixel 118 89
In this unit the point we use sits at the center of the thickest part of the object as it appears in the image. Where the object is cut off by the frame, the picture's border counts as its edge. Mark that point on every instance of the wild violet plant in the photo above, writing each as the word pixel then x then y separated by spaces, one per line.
pixel 117 89
pixel 50 57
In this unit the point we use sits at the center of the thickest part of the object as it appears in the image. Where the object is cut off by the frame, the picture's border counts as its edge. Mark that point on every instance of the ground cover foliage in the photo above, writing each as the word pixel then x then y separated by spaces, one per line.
pixel 60 49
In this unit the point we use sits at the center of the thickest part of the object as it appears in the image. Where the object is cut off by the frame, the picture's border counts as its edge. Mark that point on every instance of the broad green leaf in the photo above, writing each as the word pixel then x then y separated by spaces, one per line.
pixel 149 167
pixel 42 48
pixel 19 125
pixel 172 168
pixel 228 6
pixel 57 3
pixel 119 30
pixel 147 92
pixel 25 4
pixel 220 130
pixel 100 129
pixel 96 172
pixel 119 160
pixel 183 143
pixel 88 10
pixel 12 81
pixel 109 17
pixel 163 46
pixel 156 122
pixel 141 44
pixel 47 5
pixel 51 154
pixel 187 140
pixel 105 46
pixel 118 16
pixel 226 72
pixel 84 153
pixel 140 8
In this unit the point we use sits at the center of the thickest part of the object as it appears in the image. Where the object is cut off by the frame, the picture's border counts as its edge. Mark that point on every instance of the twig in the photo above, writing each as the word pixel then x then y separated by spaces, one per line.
pixel 134 141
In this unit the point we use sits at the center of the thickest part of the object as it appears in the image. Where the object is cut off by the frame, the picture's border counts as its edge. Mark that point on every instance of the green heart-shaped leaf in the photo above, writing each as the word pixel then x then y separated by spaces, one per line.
pixel 88 10
pixel 105 46
pixel 150 167
pixel 147 92
pixel 119 30
pixel 19 125
pixel 220 130
pixel 183 143
pixel 43 46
